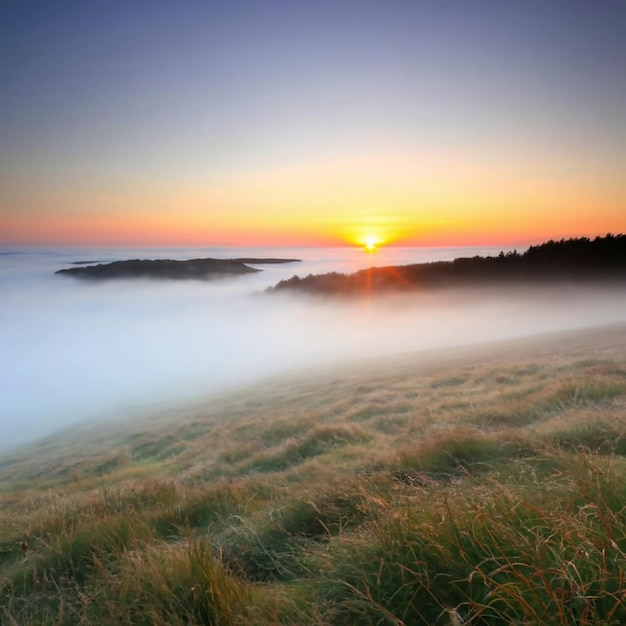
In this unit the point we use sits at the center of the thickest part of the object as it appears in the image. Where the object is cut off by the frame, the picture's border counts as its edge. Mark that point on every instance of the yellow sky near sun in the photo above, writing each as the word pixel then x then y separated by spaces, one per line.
pixel 395 198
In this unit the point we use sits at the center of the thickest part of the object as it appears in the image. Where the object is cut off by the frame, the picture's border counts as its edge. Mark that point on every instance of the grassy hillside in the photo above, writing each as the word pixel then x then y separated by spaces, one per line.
pixel 483 486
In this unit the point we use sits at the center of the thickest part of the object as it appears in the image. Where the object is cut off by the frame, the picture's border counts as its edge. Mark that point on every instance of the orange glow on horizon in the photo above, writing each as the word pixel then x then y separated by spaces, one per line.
pixel 394 198
pixel 162 230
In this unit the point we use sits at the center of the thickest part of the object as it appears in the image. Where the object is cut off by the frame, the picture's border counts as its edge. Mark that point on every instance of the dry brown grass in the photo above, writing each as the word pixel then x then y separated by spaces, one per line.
pixel 383 493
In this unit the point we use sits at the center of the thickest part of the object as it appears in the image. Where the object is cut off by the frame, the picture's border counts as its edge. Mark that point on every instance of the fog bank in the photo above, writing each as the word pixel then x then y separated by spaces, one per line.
pixel 73 350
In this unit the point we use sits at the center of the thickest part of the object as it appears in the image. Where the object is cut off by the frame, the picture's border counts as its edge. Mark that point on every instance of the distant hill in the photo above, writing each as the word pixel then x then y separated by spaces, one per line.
pixel 203 269
pixel 570 260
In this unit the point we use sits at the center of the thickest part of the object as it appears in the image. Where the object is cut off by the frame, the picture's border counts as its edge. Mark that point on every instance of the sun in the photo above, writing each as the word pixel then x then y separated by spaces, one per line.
pixel 370 243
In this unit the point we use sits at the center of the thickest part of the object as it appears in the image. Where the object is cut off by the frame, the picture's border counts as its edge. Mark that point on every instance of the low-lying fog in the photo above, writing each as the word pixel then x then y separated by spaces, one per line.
pixel 73 350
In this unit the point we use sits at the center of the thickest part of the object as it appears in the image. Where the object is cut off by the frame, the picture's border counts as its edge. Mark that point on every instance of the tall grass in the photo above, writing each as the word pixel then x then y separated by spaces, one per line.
pixel 496 555
pixel 177 584
pixel 488 491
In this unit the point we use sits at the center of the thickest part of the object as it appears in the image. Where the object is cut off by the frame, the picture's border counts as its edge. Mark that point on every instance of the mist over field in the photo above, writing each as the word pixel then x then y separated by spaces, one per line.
pixel 73 350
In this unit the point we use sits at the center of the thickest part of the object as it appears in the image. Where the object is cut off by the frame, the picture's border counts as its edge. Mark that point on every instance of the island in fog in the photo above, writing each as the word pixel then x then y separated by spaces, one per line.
pixel 203 269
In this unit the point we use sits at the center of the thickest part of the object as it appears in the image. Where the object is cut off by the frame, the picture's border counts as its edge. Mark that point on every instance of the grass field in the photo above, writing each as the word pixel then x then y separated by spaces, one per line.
pixel 479 486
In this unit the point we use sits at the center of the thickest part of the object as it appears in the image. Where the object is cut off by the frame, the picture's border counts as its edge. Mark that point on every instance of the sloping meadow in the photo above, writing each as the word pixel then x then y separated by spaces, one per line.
pixel 483 486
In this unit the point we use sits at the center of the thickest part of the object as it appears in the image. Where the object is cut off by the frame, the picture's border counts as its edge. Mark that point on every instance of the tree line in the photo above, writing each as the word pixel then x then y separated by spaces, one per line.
pixel 568 260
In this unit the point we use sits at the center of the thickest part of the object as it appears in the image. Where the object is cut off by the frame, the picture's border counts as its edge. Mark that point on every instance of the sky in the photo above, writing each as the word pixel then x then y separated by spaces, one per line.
pixel 407 122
